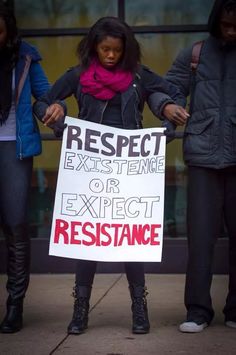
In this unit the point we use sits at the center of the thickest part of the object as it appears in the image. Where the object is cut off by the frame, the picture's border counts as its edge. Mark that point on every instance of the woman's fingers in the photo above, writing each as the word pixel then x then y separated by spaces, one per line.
pixel 53 113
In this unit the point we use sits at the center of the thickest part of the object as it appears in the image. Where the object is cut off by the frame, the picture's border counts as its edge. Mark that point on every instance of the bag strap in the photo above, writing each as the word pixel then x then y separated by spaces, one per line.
pixel 196 52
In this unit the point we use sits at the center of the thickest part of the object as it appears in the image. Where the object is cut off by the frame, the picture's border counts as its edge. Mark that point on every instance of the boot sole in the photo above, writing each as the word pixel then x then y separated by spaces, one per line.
pixel 76 332
pixel 10 331
pixel 140 331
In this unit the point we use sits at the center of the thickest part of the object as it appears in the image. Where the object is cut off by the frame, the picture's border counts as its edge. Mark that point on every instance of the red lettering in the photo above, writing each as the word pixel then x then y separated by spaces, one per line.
pixel 116 226
pixel 61 231
pixel 74 233
pixel 154 234
pixel 138 234
pixel 125 234
pixel 98 241
pixel 106 234
pixel 89 234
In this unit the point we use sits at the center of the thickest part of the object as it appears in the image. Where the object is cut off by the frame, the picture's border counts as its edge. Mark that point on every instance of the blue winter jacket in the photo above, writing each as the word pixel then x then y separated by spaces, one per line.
pixel 30 80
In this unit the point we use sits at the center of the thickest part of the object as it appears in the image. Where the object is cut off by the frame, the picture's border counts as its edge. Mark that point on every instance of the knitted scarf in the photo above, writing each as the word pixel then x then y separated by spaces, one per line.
pixel 103 84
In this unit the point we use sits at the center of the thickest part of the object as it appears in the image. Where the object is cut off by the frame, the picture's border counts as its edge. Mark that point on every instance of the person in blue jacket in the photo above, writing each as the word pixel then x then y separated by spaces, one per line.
pixel 21 77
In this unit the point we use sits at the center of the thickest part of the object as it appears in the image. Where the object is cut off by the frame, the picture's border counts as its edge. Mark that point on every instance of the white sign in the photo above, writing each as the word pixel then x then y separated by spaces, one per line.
pixel 110 193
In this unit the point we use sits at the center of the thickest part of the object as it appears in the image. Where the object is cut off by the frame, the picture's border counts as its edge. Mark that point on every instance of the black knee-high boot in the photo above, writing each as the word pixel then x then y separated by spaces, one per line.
pixel 139 309
pixel 18 271
pixel 79 320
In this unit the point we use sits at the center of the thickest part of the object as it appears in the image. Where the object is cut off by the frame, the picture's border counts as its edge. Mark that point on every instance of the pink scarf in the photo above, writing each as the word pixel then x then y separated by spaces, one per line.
pixel 102 83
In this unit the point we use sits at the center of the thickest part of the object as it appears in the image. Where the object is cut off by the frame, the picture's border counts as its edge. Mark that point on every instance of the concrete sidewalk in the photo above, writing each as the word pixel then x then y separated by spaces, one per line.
pixel 48 310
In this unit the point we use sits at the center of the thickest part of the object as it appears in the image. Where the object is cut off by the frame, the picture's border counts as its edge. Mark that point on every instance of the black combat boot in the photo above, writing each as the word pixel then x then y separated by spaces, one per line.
pixel 79 320
pixel 18 265
pixel 141 323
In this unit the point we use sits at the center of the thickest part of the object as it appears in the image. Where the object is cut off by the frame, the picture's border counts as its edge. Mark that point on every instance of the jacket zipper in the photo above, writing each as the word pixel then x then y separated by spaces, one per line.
pixel 137 112
pixel 19 88
pixel 222 99
pixel 103 110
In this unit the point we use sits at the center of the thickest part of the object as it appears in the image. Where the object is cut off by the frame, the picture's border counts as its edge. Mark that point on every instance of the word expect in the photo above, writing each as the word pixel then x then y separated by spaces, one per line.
pixel 118 207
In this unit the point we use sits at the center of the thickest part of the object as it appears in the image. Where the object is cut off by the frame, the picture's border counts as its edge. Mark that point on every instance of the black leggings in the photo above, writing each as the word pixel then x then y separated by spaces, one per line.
pixel 85 271
pixel 15 181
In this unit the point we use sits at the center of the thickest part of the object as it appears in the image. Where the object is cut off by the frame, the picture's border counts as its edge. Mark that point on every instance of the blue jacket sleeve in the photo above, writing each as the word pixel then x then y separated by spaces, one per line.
pixel 64 87
pixel 38 80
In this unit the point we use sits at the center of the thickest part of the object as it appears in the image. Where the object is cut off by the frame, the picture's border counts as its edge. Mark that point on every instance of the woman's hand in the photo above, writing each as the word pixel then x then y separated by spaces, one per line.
pixel 53 113
pixel 176 114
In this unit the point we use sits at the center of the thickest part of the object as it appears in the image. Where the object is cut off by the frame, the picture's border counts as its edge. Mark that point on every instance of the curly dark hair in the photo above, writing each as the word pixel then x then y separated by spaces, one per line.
pixel 13 38
pixel 112 27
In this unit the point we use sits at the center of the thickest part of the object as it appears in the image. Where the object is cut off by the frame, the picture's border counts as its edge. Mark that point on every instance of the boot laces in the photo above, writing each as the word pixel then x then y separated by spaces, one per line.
pixel 81 307
pixel 140 308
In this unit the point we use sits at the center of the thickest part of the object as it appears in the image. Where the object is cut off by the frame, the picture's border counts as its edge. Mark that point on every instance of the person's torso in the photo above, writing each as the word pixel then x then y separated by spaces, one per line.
pixel 8 128
pixel 123 111
pixel 210 134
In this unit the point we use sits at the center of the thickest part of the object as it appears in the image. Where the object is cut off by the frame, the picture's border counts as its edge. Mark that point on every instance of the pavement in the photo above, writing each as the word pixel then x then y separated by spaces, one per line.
pixel 48 310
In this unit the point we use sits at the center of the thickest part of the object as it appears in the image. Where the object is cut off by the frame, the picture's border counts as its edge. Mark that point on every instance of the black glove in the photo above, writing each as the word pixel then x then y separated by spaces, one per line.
pixel 58 128
pixel 169 131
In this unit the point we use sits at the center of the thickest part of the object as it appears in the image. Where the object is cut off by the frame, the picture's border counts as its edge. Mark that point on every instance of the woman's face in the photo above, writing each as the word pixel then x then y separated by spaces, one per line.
pixel 110 51
pixel 3 33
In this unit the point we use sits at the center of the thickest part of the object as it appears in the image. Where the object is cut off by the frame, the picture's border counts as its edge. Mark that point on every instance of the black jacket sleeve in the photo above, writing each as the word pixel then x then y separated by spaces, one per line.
pixel 180 75
pixel 64 87
pixel 159 91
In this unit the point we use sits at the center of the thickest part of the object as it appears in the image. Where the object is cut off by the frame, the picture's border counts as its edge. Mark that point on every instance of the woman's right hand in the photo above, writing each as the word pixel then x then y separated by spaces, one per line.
pixel 53 113
pixel 176 114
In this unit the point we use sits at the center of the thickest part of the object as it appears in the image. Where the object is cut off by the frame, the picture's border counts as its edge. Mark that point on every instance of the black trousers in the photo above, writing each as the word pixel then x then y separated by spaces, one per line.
pixel 211 199
pixel 15 181
pixel 85 271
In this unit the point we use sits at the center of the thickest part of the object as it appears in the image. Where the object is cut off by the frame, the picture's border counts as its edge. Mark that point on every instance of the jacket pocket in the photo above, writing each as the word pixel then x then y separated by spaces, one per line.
pixel 198 137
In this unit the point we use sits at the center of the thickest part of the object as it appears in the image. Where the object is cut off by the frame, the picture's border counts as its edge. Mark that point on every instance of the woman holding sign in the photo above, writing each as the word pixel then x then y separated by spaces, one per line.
pixel 110 86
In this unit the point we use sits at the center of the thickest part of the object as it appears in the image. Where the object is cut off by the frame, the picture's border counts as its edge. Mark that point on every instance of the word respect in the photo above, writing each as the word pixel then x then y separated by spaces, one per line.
pixel 110 144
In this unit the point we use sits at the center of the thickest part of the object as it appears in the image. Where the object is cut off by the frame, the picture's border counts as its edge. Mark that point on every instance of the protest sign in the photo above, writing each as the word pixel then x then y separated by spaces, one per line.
pixel 110 193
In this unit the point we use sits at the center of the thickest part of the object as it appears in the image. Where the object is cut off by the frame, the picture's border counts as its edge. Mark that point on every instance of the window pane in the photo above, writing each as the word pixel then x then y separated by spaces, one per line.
pixel 58 53
pixel 167 12
pixel 61 13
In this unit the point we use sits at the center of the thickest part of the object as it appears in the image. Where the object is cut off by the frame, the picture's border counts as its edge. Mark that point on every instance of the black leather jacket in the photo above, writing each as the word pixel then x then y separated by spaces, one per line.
pixel 145 83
